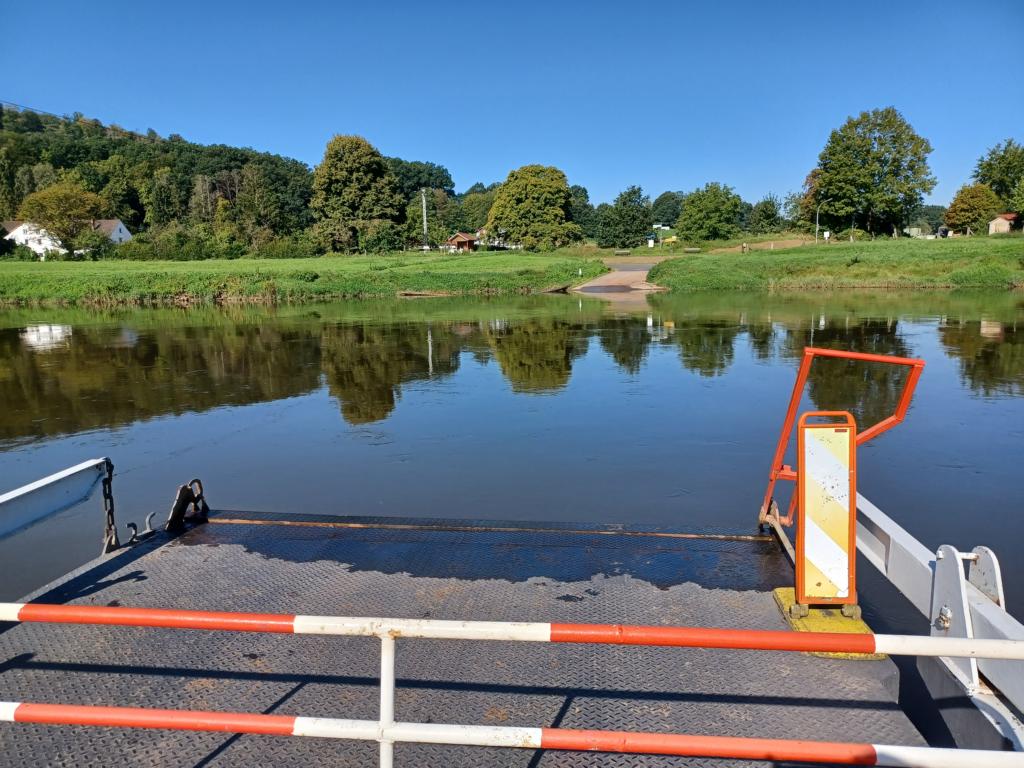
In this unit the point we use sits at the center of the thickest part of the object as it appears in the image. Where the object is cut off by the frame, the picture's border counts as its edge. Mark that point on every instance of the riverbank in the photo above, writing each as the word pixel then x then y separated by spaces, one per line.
pixel 269 281
pixel 979 262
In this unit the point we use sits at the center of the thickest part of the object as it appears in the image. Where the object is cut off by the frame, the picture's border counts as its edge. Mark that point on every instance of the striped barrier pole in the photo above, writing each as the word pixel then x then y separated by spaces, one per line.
pixel 728 747
pixel 615 634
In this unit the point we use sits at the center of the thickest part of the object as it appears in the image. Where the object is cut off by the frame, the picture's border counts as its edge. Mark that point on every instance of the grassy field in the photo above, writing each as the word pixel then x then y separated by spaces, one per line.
pixel 979 262
pixel 110 283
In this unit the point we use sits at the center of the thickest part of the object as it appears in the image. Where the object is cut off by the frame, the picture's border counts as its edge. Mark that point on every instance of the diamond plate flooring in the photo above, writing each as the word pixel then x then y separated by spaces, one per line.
pixel 430 569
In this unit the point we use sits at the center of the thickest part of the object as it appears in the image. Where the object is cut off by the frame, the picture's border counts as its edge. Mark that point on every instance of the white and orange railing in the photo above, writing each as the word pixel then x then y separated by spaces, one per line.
pixel 387 731
pixel 729 747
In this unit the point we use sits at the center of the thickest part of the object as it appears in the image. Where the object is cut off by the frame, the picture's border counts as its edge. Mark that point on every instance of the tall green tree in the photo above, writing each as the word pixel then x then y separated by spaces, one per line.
pixel 533 208
pixel 476 206
pixel 1017 202
pixel 353 187
pixel 1001 168
pixel 665 209
pixel 414 175
pixel 162 202
pixel 582 211
pixel 766 215
pixel 873 171
pixel 628 221
pixel 65 210
pixel 710 213
pixel 974 206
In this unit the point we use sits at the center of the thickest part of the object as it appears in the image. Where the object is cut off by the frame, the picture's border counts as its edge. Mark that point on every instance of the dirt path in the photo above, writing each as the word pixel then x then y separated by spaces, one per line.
pixel 767 245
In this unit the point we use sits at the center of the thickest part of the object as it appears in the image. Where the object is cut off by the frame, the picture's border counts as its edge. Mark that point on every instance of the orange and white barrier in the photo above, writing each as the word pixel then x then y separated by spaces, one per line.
pixel 615 634
pixel 736 748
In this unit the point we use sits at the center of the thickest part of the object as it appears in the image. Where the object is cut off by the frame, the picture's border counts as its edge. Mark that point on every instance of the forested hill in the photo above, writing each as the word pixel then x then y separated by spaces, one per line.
pixel 145 180
pixel 217 196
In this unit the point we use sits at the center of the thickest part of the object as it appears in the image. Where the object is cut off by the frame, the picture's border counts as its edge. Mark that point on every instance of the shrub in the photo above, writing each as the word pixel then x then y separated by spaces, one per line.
pixel 844 236
pixel 286 248
pixel 18 253
pixel 136 249
pixel 381 236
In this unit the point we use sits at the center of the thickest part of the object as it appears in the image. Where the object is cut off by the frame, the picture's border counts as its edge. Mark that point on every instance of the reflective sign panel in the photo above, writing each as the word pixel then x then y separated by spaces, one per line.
pixel 827 503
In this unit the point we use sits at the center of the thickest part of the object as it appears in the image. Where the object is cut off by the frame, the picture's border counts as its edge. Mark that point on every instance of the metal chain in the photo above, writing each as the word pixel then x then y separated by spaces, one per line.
pixel 110 540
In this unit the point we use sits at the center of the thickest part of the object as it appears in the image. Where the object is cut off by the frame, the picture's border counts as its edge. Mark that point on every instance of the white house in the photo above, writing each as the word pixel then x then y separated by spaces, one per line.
pixel 42 242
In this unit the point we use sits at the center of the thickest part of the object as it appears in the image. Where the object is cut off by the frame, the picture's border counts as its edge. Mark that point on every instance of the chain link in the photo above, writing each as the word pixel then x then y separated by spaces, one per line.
pixel 110 540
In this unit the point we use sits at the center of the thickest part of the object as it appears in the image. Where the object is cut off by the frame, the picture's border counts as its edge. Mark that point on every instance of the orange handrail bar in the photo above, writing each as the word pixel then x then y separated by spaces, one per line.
pixel 781 471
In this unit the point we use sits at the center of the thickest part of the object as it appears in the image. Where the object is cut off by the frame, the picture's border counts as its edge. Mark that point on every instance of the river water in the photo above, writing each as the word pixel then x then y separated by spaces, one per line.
pixel 555 408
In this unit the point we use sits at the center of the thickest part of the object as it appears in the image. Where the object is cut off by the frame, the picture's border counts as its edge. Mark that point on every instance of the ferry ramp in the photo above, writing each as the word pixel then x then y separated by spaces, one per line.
pixel 440 569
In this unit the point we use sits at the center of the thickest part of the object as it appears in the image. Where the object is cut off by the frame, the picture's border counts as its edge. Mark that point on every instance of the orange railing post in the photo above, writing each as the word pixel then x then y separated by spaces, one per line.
pixel 781 471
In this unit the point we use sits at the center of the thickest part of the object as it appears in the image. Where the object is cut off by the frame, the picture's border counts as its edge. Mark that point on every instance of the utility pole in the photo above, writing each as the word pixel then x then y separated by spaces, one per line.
pixel 817 213
pixel 423 202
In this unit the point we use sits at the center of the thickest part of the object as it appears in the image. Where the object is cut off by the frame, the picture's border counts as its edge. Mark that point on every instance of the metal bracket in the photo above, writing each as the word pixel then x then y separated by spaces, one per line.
pixel 950 611
pixel 189 495
pixel 984 573
pixel 136 537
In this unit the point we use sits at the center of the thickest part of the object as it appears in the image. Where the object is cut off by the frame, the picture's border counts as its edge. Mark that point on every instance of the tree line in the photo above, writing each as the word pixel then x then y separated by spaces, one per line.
pixel 190 201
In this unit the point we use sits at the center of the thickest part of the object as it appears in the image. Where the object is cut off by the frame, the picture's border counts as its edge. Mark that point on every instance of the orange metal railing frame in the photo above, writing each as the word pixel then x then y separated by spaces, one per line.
pixel 781 471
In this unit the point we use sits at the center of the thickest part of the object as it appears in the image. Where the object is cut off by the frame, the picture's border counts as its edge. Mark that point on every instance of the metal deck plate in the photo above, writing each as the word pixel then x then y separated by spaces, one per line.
pixel 438 570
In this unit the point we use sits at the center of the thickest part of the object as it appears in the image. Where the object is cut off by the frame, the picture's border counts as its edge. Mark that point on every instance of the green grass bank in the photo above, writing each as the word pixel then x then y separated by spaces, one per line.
pixel 979 262
pixel 143 283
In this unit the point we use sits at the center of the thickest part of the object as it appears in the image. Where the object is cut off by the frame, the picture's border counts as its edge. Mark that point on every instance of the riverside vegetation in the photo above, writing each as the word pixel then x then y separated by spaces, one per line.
pixel 977 262
pixel 222 224
pixel 104 283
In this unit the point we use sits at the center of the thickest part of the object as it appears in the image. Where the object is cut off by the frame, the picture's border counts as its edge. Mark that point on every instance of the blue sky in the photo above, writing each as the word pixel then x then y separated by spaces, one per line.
pixel 668 95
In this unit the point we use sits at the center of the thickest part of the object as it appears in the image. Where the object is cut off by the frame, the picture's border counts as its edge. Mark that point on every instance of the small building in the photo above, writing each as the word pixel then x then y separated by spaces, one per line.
pixel 1002 223
pixel 461 241
pixel 41 242
pixel 112 228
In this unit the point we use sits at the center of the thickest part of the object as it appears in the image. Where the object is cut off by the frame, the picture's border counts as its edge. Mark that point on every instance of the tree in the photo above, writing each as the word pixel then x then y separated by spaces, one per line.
pixel 162 203
pixel 582 211
pixel 709 213
pixel 413 175
pixel 974 206
pixel 929 217
pixel 352 188
pixel 873 171
pixel 1017 201
pixel 793 211
pixel 532 208
pixel 64 210
pixel 202 205
pixel 766 215
pixel 665 209
pixel 1001 168
pixel 476 206
pixel 627 222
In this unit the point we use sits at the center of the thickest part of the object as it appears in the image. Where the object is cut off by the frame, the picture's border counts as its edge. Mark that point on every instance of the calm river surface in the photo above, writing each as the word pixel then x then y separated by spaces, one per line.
pixel 538 408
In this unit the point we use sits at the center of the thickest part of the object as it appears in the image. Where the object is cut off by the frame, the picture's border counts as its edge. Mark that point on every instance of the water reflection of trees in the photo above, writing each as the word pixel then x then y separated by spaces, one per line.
pixel 707 348
pixel 366 365
pixel 991 355
pixel 536 355
pixel 626 341
pixel 870 391
pixel 108 377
